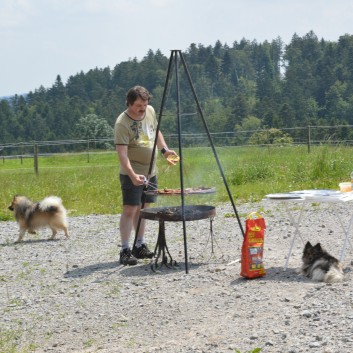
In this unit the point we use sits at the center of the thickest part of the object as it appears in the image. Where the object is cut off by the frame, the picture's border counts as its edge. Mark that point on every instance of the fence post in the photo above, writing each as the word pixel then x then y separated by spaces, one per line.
pixel 21 150
pixel 309 138
pixel 35 158
pixel 87 151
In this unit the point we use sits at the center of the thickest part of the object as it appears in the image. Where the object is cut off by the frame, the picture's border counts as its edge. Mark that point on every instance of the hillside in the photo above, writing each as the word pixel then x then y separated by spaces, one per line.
pixel 248 85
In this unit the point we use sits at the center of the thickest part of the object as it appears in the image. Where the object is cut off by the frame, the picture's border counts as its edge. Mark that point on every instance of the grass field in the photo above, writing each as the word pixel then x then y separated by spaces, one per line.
pixel 90 183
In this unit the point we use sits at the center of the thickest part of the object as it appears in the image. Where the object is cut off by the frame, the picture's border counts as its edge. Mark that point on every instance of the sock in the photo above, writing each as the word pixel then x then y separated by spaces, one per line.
pixel 140 241
pixel 125 244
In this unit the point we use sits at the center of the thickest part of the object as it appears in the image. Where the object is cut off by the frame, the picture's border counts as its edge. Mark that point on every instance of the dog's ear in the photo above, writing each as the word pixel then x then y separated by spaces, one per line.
pixel 308 245
pixel 307 249
pixel 318 246
pixel 317 249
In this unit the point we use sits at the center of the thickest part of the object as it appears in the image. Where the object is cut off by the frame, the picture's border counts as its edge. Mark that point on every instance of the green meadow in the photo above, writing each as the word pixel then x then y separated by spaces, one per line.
pixel 89 183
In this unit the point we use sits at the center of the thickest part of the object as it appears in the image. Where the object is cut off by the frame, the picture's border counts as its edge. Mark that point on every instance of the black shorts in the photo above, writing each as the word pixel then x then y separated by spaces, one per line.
pixel 133 195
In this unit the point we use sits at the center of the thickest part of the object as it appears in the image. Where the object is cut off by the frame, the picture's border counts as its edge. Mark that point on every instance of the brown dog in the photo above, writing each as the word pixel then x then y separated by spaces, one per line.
pixel 31 216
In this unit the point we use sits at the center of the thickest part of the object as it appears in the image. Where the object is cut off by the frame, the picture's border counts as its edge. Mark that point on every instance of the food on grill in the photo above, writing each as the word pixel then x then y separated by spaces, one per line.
pixel 187 191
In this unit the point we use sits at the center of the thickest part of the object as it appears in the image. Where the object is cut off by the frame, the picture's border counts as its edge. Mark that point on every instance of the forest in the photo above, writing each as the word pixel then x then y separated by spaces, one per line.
pixel 245 86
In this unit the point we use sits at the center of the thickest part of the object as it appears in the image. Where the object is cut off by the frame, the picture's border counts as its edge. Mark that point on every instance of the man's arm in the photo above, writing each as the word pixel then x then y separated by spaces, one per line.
pixel 137 179
pixel 161 144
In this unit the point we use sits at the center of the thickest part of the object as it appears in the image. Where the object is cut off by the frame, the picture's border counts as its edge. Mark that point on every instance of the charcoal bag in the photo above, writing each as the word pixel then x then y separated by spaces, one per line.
pixel 252 265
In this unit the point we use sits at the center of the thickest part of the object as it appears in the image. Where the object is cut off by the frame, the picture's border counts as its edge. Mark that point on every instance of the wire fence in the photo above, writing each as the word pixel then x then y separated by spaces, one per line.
pixel 310 136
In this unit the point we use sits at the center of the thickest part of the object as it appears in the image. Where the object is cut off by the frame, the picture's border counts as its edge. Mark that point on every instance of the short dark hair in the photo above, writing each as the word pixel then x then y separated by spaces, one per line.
pixel 137 92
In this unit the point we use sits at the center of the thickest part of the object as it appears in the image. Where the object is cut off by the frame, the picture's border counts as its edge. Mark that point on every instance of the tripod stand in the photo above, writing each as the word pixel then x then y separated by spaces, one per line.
pixel 176 57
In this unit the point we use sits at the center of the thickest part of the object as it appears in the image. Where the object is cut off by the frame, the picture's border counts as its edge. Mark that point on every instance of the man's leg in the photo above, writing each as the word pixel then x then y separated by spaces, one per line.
pixel 126 226
pixel 127 223
pixel 140 250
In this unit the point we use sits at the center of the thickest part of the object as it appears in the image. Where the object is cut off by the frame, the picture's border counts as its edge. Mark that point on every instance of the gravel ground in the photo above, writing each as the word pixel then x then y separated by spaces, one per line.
pixel 73 295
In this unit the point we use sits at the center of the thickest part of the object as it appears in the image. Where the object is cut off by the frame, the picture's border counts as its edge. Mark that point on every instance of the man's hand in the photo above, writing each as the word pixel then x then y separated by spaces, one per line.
pixel 137 179
pixel 172 157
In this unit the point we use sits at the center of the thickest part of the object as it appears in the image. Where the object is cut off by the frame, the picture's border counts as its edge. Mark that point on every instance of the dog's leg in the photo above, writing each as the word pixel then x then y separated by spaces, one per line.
pixel 21 235
pixel 63 226
pixel 66 231
pixel 53 234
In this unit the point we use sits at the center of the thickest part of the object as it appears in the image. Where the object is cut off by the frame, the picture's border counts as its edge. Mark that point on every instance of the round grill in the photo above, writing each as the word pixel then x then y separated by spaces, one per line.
pixel 174 214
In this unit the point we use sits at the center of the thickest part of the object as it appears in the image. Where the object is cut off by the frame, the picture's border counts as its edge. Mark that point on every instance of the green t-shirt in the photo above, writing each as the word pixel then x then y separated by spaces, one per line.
pixel 139 136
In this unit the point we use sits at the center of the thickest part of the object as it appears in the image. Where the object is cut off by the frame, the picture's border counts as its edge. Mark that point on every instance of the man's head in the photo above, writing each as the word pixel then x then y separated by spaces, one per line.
pixel 135 93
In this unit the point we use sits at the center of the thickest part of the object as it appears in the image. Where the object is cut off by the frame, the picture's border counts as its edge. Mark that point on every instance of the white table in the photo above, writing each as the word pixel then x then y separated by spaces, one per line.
pixel 304 197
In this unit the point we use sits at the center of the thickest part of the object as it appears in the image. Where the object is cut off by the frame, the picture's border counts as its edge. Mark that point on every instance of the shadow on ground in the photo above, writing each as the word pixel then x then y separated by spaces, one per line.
pixel 29 242
pixel 276 274
pixel 141 269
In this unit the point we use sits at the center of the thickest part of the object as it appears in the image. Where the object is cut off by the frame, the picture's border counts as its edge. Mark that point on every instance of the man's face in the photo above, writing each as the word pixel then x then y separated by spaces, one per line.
pixel 138 109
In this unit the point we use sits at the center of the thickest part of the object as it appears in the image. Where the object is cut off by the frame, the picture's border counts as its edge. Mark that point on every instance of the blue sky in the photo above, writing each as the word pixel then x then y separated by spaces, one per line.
pixel 41 39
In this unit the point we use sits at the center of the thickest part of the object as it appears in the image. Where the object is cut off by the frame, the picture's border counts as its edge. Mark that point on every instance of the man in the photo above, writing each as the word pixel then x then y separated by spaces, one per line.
pixel 135 132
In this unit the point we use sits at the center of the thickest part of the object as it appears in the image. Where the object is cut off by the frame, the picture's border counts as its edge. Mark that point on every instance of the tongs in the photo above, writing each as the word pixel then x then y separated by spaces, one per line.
pixel 149 184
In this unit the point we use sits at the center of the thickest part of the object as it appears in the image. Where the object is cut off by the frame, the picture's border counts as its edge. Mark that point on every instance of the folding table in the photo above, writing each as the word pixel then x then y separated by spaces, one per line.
pixel 304 197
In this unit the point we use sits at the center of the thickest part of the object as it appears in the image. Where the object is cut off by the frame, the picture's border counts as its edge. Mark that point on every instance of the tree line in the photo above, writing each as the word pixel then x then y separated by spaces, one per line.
pixel 245 86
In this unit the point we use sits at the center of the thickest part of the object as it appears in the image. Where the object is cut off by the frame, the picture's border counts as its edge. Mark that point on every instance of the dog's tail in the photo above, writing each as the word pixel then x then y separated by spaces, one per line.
pixel 51 204
pixel 334 275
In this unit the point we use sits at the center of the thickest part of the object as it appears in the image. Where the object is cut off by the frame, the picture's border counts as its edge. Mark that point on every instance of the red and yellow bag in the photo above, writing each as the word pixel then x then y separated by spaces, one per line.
pixel 252 265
